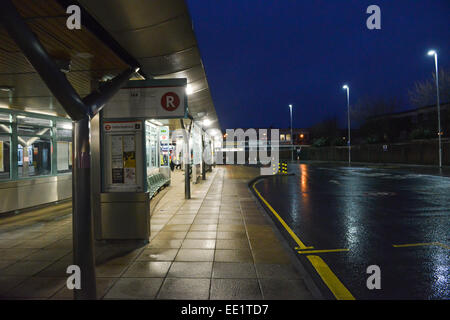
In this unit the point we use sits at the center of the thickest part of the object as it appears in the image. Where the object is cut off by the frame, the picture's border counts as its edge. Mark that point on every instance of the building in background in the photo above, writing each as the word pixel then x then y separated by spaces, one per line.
pixel 420 123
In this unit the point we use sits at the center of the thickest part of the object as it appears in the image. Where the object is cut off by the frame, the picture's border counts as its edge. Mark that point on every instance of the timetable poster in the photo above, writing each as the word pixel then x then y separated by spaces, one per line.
pixel 117 159
pixel 129 159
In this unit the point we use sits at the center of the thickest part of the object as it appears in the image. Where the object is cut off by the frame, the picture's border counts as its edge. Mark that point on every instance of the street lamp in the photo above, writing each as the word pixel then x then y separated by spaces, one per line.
pixel 206 122
pixel 292 138
pixel 189 90
pixel 348 121
pixel 434 53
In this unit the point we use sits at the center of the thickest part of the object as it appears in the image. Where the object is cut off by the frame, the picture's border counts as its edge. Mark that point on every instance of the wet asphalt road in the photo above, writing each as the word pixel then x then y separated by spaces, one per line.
pixel 368 210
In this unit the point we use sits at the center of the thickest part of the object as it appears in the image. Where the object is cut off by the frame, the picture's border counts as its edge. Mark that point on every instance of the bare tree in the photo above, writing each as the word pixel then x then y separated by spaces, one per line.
pixel 366 108
pixel 424 92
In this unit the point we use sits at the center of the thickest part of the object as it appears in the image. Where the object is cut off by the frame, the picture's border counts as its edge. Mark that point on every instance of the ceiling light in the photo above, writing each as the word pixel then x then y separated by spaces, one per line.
pixel 6 88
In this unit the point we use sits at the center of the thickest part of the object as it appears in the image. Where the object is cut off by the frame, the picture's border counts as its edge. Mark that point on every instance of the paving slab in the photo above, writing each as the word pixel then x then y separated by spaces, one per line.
pixel 217 245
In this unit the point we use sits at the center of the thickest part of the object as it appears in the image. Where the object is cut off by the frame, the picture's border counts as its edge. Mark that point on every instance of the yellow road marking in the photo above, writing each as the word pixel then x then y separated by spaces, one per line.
pixel 284 224
pixel 443 245
pixel 330 279
pixel 421 244
pixel 322 251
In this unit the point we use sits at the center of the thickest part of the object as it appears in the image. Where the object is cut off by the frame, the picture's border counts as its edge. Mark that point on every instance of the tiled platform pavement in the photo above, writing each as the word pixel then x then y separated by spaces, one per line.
pixel 217 245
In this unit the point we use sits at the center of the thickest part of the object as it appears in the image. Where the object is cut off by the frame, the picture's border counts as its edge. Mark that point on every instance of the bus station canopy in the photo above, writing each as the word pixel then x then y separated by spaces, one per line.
pixel 156 35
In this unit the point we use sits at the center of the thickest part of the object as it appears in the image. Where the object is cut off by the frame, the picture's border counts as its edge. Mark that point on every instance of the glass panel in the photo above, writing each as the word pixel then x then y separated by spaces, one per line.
pixel 64 130
pixel 64 146
pixel 64 134
pixel 196 145
pixel 151 147
pixel 34 121
pixel 30 130
pixel 33 156
pixel 154 145
pixel 5 117
pixel 5 147
pixel 67 125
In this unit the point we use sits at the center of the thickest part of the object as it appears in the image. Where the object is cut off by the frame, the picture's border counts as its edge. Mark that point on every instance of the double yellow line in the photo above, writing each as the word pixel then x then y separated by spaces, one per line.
pixel 324 271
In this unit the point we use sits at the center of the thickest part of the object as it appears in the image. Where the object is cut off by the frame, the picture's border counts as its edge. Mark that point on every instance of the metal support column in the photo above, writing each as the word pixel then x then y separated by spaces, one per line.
pixel 187 179
pixel 187 162
pixel 83 239
pixel 80 111
pixel 349 132
pixel 203 158
pixel 438 110
pixel 292 137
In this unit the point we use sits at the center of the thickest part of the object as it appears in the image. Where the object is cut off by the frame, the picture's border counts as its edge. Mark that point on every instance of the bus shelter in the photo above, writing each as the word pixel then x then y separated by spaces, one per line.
pixel 140 133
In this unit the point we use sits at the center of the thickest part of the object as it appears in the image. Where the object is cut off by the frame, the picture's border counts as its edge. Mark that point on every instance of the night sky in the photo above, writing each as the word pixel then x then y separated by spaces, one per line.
pixel 262 55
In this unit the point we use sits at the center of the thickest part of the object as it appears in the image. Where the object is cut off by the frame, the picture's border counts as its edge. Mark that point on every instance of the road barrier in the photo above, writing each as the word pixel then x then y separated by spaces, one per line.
pixel 280 168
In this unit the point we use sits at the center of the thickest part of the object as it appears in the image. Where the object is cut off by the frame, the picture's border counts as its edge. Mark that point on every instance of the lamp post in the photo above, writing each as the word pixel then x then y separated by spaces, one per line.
pixel 348 121
pixel 292 137
pixel 434 53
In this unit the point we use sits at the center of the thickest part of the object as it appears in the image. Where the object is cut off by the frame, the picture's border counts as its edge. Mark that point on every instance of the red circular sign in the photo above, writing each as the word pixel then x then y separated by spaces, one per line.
pixel 170 101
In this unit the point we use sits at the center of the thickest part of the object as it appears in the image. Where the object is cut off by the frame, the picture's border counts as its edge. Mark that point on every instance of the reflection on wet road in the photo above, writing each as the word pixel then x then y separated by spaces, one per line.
pixel 395 219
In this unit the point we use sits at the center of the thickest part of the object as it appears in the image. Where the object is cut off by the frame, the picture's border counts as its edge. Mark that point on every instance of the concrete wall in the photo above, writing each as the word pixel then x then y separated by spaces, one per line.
pixel 418 152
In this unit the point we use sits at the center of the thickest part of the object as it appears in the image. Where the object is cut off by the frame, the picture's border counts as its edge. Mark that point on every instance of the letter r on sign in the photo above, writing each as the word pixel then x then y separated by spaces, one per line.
pixel 169 102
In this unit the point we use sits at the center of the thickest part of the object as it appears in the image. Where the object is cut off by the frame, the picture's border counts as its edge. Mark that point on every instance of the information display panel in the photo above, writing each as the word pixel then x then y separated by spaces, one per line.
pixel 164 143
pixel 123 156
